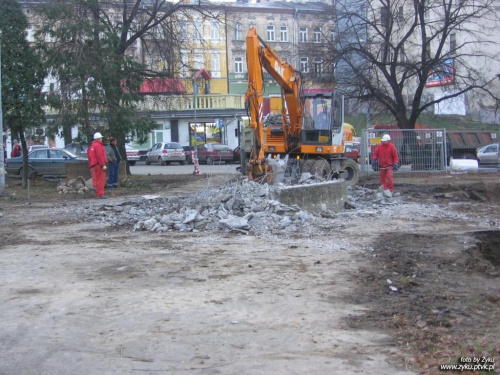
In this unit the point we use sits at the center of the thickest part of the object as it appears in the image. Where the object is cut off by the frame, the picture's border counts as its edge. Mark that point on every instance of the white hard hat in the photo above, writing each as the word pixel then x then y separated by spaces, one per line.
pixel 386 137
pixel 97 135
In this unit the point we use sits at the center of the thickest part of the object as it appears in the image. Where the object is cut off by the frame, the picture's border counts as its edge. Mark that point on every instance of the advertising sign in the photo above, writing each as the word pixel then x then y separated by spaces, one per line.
pixel 442 75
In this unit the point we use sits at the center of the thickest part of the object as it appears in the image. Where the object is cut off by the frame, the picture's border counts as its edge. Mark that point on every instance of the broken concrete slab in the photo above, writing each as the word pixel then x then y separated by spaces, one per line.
pixel 323 196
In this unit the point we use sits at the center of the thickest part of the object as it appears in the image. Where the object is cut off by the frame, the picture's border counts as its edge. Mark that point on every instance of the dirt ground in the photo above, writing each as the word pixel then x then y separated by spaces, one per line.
pixel 392 292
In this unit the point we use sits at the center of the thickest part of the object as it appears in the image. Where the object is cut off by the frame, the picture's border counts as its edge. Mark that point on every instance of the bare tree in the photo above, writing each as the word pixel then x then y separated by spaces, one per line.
pixel 392 52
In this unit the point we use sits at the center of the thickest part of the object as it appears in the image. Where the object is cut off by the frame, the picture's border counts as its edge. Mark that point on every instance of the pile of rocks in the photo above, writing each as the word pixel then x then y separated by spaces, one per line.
pixel 235 206
pixel 75 186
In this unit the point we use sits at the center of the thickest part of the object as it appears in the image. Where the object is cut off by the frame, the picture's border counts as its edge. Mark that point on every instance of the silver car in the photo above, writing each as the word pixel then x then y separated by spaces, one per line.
pixel 166 153
pixel 488 154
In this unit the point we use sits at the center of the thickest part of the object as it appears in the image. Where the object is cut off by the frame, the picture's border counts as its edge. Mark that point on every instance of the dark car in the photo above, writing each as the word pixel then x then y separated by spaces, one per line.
pixel 236 154
pixel 215 152
pixel 45 162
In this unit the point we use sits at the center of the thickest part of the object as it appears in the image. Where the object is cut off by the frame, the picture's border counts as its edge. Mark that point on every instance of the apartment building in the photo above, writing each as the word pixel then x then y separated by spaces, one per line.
pixel 296 31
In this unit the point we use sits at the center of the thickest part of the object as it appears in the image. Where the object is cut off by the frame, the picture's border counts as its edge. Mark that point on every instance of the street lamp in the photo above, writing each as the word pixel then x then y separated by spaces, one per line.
pixel 2 158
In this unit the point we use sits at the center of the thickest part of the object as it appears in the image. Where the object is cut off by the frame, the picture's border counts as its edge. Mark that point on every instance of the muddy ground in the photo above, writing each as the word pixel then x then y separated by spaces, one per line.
pixel 399 290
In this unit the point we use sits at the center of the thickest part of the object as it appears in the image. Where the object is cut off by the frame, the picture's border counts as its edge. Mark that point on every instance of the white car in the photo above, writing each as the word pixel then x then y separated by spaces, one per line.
pixel 488 154
pixel 166 153
pixel 133 155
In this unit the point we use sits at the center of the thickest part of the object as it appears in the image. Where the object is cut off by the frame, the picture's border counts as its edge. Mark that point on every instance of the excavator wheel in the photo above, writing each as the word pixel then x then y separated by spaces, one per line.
pixel 322 168
pixel 307 166
pixel 350 172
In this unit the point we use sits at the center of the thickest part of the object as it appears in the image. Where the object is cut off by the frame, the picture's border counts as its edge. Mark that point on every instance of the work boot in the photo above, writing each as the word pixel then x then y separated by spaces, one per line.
pixel 388 193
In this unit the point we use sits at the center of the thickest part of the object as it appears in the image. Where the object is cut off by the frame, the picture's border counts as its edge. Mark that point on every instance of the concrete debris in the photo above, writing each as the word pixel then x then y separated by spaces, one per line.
pixel 247 207
pixel 75 186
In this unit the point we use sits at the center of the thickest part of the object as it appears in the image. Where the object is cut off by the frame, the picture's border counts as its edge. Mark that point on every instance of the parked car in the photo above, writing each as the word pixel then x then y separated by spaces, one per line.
pixel 236 154
pixel 133 155
pixel 488 154
pixel 46 161
pixel 215 152
pixel 35 147
pixel 77 148
pixel 166 153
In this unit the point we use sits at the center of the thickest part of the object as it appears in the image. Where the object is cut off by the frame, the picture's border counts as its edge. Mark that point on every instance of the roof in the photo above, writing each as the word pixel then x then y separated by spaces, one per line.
pixel 202 73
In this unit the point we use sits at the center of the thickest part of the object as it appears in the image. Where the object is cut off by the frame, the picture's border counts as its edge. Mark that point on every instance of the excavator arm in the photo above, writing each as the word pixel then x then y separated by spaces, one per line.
pixel 261 56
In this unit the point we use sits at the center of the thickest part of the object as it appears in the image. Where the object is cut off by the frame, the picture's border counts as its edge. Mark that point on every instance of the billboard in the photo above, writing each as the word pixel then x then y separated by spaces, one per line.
pixel 442 75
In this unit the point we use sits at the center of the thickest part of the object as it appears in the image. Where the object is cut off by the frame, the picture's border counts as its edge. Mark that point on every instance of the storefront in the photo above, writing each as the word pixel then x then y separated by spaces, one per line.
pixel 206 132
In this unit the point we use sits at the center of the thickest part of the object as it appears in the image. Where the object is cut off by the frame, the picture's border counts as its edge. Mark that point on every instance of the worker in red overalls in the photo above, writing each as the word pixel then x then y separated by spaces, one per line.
pixel 97 163
pixel 388 160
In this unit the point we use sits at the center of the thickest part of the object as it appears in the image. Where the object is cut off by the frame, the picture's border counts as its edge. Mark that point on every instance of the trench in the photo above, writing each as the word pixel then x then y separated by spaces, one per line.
pixel 489 245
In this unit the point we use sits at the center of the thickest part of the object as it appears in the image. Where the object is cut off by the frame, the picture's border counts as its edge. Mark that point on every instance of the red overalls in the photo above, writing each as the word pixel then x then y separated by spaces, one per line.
pixel 97 160
pixel 387 156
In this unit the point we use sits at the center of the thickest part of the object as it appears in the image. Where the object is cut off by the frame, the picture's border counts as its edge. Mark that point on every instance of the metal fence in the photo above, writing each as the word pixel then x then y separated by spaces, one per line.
pixel 419 150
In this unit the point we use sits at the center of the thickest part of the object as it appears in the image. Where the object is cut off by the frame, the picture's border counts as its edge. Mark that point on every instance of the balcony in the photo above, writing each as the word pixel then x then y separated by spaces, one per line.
pixel 165 103
pixel 175 103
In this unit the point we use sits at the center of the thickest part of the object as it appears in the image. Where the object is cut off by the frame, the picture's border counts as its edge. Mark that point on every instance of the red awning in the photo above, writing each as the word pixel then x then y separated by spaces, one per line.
pixel 162 86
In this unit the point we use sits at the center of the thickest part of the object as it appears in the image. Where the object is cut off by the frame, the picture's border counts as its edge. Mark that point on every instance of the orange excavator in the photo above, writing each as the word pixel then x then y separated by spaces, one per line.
pixel 309 135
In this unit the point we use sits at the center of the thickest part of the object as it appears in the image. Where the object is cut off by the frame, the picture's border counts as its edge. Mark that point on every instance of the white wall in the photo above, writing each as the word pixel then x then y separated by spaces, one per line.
pixel 452 106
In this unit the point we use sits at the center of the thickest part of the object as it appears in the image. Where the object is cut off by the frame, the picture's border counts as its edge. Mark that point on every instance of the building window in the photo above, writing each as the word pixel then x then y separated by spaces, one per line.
pixel 317 35
pixel 385 13
pixel 284 33
pixel 303 34
pixel 184 73
pixel 402 55
pixel 317 67
pixel 401 17
pixel 31 33
pixel 214 31
pixel 238 35
pixel 238 65
pixel 304 64
pixel 453 43
pixel 183 31
pixel 428 48
pixel 197 32
pixel 332 34
pixel 215 62
pixel 198 61
pixel 270 33
pixel 427 14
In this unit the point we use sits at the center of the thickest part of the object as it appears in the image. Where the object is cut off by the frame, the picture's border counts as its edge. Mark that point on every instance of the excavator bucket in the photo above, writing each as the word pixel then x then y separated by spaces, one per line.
pixel 260 172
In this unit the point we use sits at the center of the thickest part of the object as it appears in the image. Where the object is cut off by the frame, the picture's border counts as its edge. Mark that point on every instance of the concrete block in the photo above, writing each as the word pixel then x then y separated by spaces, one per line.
pixel 323 196
pixel 73 170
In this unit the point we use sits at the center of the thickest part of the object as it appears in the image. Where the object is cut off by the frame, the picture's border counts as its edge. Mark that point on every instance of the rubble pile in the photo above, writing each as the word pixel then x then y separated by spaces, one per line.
pixel 361 197
pixel 75 186
pixel 237 206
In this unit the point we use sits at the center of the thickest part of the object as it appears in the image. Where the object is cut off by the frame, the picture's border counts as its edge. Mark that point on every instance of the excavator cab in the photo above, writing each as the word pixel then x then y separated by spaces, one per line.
pixel 319 119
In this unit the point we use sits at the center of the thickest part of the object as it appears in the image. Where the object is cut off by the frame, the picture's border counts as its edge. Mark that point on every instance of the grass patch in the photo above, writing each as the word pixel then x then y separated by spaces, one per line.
pixel 450 122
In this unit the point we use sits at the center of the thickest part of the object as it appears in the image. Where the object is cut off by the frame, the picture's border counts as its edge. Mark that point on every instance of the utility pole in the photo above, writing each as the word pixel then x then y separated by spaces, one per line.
pixel 2 150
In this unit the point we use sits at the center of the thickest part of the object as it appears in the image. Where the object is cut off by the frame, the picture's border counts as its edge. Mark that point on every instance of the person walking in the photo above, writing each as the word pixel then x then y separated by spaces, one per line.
pixel 114 159
pixel 388 161
pixel 97 164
